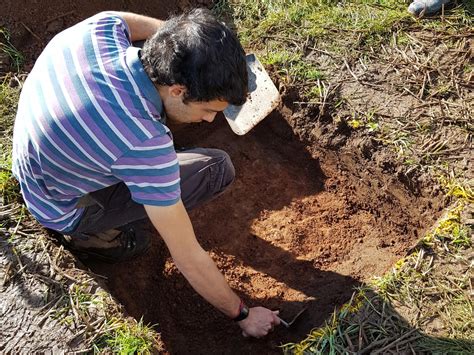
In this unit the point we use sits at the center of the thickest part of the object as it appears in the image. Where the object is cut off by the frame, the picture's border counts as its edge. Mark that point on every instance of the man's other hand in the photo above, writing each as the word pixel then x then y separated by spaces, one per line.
pixel 259 322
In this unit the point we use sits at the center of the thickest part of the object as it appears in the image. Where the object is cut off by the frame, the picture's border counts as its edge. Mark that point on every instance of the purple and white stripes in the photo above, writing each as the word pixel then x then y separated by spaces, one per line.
pixel 88 118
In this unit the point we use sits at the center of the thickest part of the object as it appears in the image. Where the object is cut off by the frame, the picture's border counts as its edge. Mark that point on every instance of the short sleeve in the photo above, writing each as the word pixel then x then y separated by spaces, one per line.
pixel 151 172
pixel 109 25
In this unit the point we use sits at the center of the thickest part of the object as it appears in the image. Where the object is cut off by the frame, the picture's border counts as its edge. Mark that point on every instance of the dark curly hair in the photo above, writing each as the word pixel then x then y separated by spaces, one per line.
pixel 201 53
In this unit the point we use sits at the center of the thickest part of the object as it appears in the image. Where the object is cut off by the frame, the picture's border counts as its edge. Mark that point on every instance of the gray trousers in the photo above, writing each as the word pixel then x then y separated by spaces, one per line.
pixel 205 173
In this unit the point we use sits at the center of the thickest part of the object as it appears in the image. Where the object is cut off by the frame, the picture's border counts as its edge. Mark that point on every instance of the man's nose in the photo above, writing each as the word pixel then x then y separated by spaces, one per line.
pixel 209 117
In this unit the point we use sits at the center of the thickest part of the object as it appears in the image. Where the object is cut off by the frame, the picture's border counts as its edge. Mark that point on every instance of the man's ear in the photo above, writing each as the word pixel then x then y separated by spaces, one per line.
pixel 177 90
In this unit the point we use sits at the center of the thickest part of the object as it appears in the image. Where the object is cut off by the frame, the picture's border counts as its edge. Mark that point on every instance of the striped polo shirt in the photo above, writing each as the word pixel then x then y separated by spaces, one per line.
pixel 88 118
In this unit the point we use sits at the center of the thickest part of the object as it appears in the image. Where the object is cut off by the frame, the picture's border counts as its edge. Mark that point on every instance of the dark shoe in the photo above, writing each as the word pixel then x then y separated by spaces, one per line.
pixel 125 246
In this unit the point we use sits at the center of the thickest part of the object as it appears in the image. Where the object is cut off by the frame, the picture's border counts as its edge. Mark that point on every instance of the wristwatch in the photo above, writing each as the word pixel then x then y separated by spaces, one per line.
pixel 243 312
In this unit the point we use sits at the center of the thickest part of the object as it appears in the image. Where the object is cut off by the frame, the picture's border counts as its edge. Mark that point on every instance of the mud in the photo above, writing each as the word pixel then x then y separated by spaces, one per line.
pixel 311 215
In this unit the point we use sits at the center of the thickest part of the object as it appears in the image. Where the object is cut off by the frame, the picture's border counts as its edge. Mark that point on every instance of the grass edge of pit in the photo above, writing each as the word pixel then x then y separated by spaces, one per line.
pixel 76 298
pixel 371 322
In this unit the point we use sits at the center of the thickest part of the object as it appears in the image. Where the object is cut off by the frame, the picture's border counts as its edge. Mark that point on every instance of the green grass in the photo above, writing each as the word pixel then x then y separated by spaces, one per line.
pixel 7 47
pixel 449 231
pixel 369 323
pixel 283 32
pixel 457 187
pixel 92 311
pixel 316 18
pixel 8 103
pixel 128 338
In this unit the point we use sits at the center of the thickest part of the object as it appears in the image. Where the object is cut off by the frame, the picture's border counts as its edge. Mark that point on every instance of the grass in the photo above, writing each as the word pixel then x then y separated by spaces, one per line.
pixel 317 18
pixel 7 47
pixel 457 187
pixel 368 324
pixel 112 332
pixel 8 102
pixel 94 313
pixel 284 32
pixel 128 338
pixel 304 41
pixel 74 299
pixel 9 96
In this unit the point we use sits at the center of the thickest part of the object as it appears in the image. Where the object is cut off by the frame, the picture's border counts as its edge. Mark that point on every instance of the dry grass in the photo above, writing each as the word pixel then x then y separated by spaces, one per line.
pixel 74 297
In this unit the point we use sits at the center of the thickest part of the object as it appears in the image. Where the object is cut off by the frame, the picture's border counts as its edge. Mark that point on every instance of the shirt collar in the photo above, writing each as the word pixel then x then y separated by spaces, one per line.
pixel 145 85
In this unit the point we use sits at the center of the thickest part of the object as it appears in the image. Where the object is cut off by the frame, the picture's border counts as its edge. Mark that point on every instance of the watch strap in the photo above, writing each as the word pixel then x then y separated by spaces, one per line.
pixel 243 312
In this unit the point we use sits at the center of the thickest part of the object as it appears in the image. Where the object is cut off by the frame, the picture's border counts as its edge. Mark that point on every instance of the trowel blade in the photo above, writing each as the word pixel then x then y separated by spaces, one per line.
pixel 263 98
pixel 290 323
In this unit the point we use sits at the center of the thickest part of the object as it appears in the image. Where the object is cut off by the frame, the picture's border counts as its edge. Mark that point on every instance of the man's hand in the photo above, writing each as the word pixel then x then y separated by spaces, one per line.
pixel 173 223
pixel 259 322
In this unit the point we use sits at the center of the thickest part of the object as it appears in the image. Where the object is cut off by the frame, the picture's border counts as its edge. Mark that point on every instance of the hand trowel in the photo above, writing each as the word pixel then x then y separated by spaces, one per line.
pixel 262 100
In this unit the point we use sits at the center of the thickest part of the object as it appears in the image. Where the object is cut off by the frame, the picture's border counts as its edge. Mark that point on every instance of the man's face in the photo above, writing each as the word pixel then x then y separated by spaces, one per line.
pixel 194 112
pixel 190 112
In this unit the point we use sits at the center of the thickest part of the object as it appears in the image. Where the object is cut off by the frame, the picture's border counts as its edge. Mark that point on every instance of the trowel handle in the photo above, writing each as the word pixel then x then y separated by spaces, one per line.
pixel 285 324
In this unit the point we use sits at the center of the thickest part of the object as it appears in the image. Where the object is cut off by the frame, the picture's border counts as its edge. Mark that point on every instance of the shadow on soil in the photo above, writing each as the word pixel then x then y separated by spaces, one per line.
pixel 273 169
pixel 16 263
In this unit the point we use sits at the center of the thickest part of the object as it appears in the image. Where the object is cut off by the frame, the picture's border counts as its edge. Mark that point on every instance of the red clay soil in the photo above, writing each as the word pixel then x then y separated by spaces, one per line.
pixel 295 230
pixel 300 227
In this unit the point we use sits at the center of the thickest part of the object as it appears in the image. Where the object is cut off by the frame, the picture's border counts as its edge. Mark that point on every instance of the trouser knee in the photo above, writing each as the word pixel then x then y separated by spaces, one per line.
pixel 205 173
pixel 226 172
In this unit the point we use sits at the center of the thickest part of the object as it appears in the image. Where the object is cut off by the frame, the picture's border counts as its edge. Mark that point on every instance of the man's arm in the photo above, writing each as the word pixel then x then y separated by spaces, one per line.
pixel 141 27
pixel 174 225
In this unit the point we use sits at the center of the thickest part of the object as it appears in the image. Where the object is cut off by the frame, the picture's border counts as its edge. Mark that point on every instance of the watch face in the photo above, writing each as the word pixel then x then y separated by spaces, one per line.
pixel 244 312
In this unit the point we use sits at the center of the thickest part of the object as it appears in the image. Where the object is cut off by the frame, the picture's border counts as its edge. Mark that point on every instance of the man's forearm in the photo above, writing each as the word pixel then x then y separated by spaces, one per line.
pixel 203 275
pixel 141 27
pixel 176 229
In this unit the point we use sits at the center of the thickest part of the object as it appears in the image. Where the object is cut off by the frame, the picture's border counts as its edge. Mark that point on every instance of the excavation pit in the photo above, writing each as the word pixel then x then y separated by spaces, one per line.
pixel 300 227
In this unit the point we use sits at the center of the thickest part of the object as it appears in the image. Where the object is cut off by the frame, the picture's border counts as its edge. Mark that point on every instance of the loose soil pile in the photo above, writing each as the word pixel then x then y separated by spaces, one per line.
pixel 300 227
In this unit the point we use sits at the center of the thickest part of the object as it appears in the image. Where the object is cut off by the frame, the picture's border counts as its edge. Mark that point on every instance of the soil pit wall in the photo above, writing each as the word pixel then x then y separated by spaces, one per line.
pixel 296 229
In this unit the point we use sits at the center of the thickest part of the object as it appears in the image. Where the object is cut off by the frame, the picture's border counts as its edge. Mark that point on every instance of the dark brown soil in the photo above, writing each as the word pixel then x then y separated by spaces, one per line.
pixel 33 23
pixel 300 227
